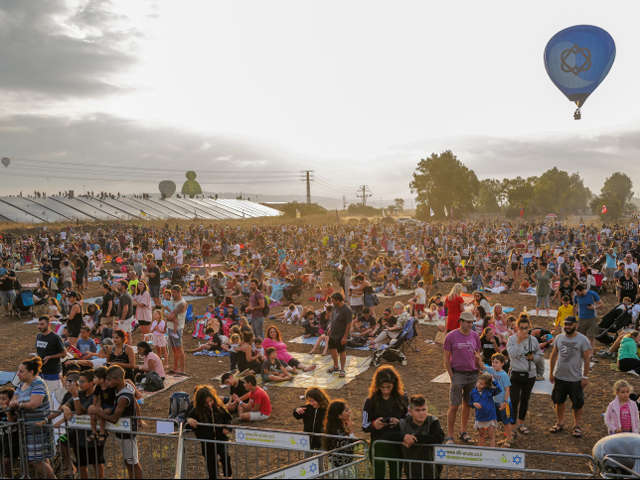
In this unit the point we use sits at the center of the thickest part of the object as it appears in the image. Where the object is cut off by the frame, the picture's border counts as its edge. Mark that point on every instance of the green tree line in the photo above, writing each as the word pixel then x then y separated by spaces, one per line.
pixel 442 181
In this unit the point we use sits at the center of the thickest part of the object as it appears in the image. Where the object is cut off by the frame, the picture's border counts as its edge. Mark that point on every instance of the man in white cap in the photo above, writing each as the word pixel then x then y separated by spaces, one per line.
pixel 460 347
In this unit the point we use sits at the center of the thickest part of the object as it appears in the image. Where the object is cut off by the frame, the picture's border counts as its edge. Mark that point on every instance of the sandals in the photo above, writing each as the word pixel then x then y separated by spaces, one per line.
pixel 333 370
pixel 522 428
pixel 558 427
pixel 577 432
pixel 466 438
pixel 342 374
pixel 449 441
pixel 102 439
pixel 508 443
pixel 93 437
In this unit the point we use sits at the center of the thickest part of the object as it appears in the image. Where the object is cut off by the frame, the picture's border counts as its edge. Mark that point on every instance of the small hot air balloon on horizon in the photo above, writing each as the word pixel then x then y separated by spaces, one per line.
pixel 578 59
pixel 167 188
pixel 6 162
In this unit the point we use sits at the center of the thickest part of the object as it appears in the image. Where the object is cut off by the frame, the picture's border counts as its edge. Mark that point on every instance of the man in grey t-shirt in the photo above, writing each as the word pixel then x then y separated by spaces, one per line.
pixel 125 310
pixel 569 367
pixel 339 331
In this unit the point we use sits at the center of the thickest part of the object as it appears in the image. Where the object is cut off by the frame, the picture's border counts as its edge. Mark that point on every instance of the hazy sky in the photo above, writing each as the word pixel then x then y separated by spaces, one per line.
pixel 117 95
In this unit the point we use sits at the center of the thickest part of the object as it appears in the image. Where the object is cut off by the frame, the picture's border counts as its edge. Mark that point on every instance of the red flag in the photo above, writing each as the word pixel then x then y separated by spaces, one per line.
pixel 604 209
pixel 521 211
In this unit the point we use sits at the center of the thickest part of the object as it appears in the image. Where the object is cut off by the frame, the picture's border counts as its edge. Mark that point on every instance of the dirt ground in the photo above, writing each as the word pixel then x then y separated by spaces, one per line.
pixel 17 342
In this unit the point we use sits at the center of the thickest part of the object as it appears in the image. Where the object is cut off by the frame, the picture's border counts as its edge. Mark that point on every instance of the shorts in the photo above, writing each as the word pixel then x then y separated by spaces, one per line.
pixel 7 298
pixel 129 447
pixel 368 300
pixel 563 389
pixel 609 273
pixel 159 262
pixel 418 308
pixel 126 325
pixel 73 328
pixel 514 267
pixel 542 301
pixel 588 327
pixel 159 341
pixel 99 362
pixel 357 309
pixel 462 384
pixel 294 363
pixel 143 323
pixel 89 455
pixel 427 279
pixel 154 291
pixel 257 417
pixel 502 415
pixel 173 341
pixel 336 344
pixel 492 423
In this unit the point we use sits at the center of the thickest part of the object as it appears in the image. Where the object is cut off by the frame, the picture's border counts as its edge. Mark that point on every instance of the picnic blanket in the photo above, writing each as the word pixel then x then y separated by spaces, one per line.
pixel 169 382
pixel 313 340
pixel 212 353
pixel 319 377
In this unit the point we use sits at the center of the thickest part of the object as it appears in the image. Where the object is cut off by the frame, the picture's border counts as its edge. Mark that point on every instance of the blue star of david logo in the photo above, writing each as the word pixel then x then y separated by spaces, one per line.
pixel 313 468
pixel 441 453
pixel 125 424
pixel 517 460
pixel 240 436
pixel 303 442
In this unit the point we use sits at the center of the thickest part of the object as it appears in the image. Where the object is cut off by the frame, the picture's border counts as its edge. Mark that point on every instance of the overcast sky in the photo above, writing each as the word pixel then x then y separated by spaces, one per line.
pixel 117 95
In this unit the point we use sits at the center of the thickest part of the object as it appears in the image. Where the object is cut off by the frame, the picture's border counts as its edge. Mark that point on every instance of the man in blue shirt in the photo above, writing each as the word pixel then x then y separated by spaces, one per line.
pixel 585 303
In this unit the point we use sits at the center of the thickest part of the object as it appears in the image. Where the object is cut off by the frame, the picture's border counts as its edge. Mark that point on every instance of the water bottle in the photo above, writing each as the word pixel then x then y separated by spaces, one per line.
pixel 525 309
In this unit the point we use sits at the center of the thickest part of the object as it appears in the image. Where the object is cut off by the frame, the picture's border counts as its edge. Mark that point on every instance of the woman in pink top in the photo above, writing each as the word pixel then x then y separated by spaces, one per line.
pixel 142 302
pixel 273 340
pixel 152 363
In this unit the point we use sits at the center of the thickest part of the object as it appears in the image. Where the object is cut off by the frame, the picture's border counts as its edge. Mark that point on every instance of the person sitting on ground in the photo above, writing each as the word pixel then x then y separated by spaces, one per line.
pixel 273 369
pixel 274 340
pixel 214 343
pixel 238 391
pixel 258 408
pixel 311 324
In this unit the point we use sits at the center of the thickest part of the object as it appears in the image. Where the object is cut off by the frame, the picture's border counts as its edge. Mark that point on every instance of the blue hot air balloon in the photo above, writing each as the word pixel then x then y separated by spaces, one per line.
pixel 577 59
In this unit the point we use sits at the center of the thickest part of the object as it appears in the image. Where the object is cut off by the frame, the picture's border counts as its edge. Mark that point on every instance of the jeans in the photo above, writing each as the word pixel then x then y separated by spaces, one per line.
pixel 257 326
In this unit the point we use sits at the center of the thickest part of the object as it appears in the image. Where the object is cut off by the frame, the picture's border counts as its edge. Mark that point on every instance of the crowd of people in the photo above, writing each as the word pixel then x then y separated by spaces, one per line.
pixel 493 359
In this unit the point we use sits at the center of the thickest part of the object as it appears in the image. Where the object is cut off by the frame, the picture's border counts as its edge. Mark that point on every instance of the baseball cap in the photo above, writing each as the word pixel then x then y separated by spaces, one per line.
pixel 571 319
pixel 466 316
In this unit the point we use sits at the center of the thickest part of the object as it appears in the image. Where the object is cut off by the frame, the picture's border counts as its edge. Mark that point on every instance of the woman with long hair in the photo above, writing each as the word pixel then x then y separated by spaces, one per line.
pixel 313 414
pixel 455 306
pixel 385 406
pixel 340 424
pixel 247 358
pixel 274 340
pixel 208 409
pixel 142 302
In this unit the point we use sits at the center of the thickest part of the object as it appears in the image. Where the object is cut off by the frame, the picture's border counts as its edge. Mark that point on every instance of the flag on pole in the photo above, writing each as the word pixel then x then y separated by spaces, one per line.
pixel 604 209
pixel 446 214
pixel 337 216
pixel 297 213
pixel 431 211
pixel 143 213
pixel 194 211
pixel 521 211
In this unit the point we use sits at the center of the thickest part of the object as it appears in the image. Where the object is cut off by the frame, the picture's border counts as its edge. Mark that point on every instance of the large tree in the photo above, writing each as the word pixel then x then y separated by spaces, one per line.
pixel 615 195
pixel 557 191
pixel 442 181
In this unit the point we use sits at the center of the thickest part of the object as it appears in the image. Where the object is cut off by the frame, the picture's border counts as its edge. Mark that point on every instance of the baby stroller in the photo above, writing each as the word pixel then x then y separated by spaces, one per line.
pixel 394 352
pixel 23 304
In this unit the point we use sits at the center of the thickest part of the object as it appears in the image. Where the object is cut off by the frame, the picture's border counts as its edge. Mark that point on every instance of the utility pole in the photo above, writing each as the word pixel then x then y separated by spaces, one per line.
pixel 307 176
pixel 344 202
pixel 364 195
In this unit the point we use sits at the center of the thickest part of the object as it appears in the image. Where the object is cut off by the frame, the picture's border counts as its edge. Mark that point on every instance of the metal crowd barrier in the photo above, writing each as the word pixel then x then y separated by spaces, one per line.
pixel 72 453
pixel 463 461
pixel 619 466
pixel 253 452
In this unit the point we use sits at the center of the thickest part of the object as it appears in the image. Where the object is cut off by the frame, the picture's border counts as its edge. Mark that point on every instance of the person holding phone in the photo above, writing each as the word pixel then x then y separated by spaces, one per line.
pixel 386 405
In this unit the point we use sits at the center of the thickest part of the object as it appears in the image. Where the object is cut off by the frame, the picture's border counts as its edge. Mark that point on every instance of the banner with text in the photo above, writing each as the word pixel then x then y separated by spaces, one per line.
pixel 273 439
pixel 477 457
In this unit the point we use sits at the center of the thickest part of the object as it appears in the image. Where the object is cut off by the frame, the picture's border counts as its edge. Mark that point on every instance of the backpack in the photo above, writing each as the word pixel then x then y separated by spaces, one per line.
pixel 178 406
pixel 153 382
pixel 265 310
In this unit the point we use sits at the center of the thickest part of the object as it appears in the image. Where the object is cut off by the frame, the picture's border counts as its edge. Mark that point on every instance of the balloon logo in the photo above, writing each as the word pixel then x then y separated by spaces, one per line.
pixel 167 188
pixel 6 162
pixel 578 59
